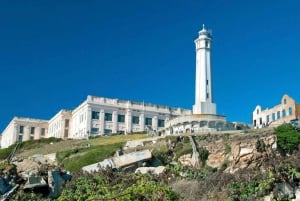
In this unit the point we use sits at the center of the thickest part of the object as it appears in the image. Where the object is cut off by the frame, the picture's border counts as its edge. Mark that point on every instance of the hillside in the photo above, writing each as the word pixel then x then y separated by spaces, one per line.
pixel 245 165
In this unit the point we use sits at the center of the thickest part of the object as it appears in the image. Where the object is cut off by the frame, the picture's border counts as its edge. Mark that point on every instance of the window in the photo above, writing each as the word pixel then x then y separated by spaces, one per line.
pixel 31 137
pixel 207 95
pixel 95 115
pixel 283 113
pixel 67 121
pixel 66 133
pixel 135 120
pixel 206 43
pixel 107 131
pixel 21 129
pixel 43 131
pixel 290 111
pixel 32 129
pixel 148 121
pixel 121 118
pixel 273 116
pixel 161 123
pixel 278 115
pixel 257 111
pixel 20 138
pixel 254 122
pixel 108 117
pixel 284 101
pixel 268 118
pixel 95 131
pixel 260 121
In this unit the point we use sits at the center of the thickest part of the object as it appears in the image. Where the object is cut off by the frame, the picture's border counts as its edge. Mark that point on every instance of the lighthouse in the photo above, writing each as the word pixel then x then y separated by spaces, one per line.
pixel 203 85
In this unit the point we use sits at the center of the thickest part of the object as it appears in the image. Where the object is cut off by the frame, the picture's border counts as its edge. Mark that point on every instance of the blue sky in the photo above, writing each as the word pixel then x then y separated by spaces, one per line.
pixel 55 53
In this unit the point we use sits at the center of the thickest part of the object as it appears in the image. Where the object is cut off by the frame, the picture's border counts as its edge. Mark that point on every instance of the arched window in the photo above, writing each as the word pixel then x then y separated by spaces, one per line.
pixel 284 101
pixel 283 113
pixel 290 110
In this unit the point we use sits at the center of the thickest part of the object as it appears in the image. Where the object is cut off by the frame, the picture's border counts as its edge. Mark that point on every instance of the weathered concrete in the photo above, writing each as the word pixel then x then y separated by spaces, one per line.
pixel 120 161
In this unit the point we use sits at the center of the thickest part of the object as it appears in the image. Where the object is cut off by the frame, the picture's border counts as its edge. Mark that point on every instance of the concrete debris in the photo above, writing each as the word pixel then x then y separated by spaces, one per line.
pixel 37 174
pixel 120 161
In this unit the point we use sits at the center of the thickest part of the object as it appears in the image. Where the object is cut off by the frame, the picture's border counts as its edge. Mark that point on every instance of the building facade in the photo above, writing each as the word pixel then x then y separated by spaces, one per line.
pixel 23 129
pixel 285 112
pixel 59 125
pixel 102 116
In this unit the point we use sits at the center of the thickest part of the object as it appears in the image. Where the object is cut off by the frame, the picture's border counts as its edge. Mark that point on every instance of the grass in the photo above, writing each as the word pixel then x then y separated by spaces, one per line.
pixel 75 159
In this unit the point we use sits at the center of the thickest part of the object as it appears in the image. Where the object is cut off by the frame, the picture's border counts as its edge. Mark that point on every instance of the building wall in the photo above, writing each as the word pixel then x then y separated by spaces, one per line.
pixel 99 116
pixel 59 125
pixel 284 112
pixel 23 129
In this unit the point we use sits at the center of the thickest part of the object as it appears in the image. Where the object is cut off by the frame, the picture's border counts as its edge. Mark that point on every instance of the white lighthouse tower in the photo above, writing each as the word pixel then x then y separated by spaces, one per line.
pixel 203 89
pixel 204 117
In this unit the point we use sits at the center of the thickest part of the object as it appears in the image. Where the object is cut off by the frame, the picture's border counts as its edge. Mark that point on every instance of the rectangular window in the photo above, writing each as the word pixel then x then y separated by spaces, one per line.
pixel 268 118
pixel 95 131
pixel 148 121
pixel 273 116
pixel 278 114
pixel 260 121
pixel 290 111
pixel 108 117
pixel 43 131
pixel 21 129
pixel 161 123
pixel 20 138
pixel 95 115
pixel 135 120
pixel 66 133
pixel 67 122
pixel 107 131
pixel 32 129
pixel 121 118
pixel 254 123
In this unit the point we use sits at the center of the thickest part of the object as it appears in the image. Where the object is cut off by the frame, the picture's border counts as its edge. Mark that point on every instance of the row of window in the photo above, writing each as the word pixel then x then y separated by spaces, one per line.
pixel 32 130
pixel 279 114
pixel 134 119
pixel 276 116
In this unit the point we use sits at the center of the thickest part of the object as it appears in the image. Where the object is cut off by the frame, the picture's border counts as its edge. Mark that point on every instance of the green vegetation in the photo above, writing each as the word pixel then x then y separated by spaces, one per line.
pixel 288 139
pixel 75 159
pixel 109 185
pixel 203 155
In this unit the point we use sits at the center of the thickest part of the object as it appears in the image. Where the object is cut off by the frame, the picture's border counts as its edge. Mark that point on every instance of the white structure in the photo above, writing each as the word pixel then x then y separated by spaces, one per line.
pixel 23 129
pixel 204 117
pixel 203 89
pixel 285 112
pixel 99 116
pixel 59 125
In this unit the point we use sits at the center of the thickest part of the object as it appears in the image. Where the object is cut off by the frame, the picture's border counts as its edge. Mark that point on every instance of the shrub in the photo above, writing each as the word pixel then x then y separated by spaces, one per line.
pixel 288 138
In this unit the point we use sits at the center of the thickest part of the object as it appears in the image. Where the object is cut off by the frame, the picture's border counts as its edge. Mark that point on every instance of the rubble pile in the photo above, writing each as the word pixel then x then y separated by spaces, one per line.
pixel 37 174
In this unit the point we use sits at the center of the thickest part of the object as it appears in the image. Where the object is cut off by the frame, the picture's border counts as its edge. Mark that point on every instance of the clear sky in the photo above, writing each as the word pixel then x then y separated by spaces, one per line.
pixel 55 53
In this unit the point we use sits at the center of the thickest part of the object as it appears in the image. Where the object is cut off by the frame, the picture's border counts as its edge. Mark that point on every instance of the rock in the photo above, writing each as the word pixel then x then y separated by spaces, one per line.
pixel 297 194
pixel 154 170
pixel 285 189
pixel 185 160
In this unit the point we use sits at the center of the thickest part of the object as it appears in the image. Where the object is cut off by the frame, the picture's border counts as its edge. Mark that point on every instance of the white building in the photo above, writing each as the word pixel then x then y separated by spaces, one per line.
pixel 59 125
pixel 285 112
pixel 99 116
pixel 23 129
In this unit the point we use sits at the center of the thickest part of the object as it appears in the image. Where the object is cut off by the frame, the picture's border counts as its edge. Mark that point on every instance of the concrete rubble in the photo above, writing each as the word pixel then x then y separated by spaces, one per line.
pixel 37 172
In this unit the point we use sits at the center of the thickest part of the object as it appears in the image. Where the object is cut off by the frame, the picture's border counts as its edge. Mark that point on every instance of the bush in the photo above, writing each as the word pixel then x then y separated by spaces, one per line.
pixel 109 185
pixel 288 138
